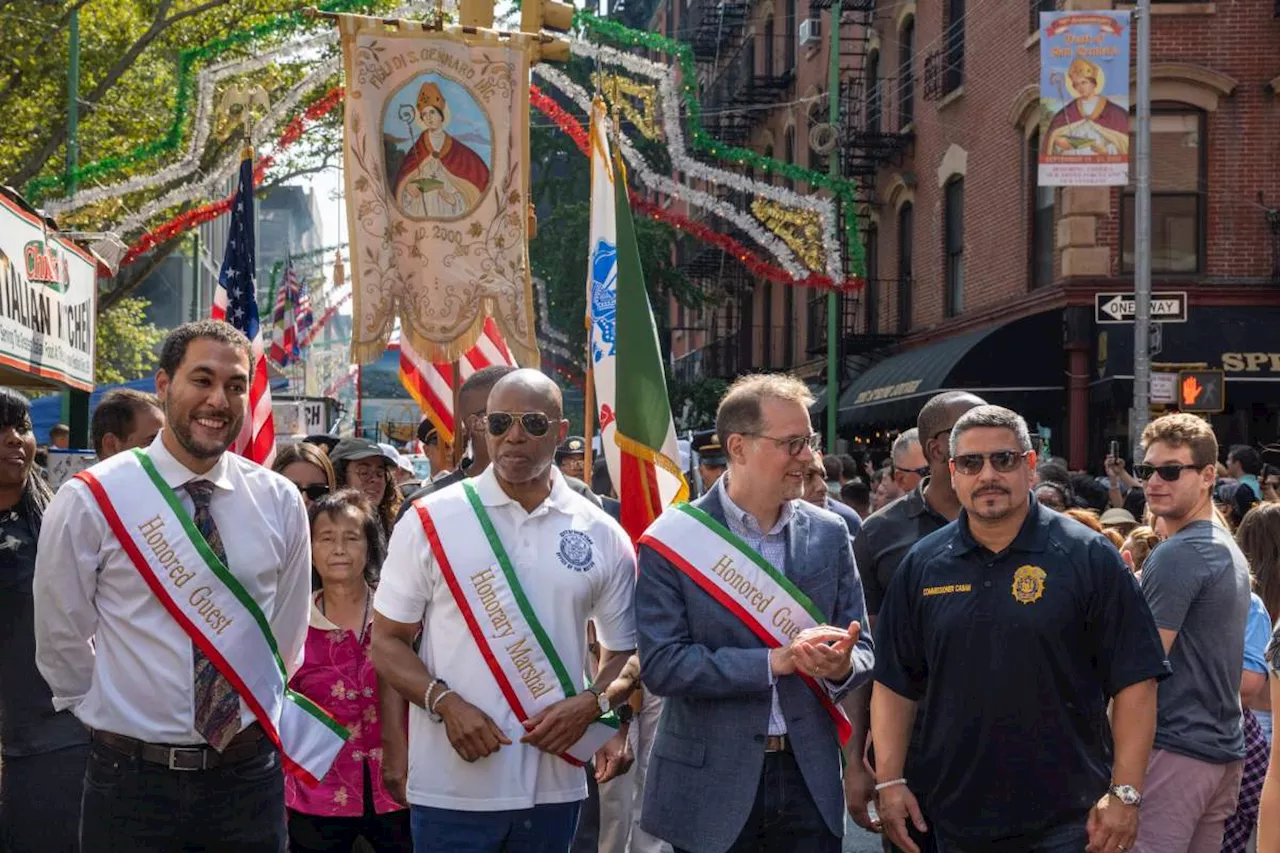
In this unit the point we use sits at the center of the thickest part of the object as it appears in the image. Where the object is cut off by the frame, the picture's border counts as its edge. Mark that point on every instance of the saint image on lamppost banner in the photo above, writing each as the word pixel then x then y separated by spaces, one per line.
pixel 1084 99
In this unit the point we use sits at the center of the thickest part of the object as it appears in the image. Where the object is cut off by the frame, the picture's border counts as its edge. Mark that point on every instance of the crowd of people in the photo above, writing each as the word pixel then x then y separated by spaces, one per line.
pixel 966 648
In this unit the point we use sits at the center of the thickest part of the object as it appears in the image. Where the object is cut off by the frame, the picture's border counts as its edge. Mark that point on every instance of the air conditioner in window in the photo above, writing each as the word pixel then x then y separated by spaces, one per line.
pixel 810 31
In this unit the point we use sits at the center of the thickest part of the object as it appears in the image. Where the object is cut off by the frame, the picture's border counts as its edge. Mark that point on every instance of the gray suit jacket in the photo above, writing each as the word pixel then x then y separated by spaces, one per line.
pixel 713 672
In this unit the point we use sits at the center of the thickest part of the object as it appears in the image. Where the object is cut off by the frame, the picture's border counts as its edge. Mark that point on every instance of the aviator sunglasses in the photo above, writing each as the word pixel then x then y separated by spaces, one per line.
pixel 1003 461
pixel 315 491
pixel 534 424
pixel 1169 473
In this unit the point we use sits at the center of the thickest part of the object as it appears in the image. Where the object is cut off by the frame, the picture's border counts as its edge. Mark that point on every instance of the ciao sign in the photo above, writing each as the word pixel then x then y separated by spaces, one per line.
pixel 887 392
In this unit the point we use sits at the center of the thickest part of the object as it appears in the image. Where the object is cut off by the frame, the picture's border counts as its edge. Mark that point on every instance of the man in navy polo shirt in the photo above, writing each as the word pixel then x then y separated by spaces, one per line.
pixel 1013 627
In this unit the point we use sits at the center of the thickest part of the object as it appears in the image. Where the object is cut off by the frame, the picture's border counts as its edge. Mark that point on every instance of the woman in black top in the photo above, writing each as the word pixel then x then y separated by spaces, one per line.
pixel 43 750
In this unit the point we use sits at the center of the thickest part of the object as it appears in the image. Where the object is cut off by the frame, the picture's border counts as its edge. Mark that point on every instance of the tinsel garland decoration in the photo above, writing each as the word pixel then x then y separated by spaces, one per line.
pixel 799 229
pixel 624 93
pixel 194 218
pixel 329 314
pixel 188 60
pixel 615 33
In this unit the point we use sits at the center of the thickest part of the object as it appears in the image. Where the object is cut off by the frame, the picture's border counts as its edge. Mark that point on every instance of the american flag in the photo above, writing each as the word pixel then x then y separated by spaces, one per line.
pixel 431 384
pixel 284 320
pixel 303 319
pixel 235 301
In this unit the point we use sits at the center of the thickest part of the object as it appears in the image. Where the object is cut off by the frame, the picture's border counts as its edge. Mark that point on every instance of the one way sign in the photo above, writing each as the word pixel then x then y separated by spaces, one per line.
pixel 1166 307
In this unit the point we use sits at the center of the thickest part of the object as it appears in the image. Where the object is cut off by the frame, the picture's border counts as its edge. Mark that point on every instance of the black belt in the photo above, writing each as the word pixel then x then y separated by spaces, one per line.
pixel 244 746
pixel 777 743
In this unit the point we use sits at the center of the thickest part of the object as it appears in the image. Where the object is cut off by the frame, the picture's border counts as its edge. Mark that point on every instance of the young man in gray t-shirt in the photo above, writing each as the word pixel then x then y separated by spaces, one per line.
pixel 1197 585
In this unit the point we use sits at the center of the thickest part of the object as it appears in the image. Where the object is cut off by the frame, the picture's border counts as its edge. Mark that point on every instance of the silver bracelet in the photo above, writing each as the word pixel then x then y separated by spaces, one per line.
pixel 891 783
pixel 436 717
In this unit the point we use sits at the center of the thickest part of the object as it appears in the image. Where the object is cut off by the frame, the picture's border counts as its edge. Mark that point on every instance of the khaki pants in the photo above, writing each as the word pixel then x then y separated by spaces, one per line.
pixel 620 798
pixel 1185 803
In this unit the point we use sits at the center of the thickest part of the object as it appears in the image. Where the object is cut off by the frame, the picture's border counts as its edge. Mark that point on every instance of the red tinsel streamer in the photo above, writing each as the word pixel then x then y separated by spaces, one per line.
pixel 184 222
pixel 749 259
pixel 328 315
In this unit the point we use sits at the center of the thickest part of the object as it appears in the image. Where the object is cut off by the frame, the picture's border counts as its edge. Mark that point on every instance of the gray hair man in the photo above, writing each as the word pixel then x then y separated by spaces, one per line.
pixel 1011 594
pixel 909 464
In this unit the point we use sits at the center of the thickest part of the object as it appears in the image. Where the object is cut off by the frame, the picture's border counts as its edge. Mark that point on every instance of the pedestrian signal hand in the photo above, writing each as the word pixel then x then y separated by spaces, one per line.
pixel 1191 390
pixel 1201 390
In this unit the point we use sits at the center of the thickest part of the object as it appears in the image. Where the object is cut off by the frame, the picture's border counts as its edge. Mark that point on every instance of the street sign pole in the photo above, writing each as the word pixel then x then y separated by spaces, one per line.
pixel 833 168
pixel 1142 236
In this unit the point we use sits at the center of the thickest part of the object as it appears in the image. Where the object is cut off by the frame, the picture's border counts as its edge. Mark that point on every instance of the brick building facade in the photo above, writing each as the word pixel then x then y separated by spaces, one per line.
pixel 978 278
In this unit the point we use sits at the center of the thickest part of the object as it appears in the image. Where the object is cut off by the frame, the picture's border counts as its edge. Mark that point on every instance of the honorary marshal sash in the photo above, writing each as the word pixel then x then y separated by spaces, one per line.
pixel 734 574
pixel 212 607
pixel 498 613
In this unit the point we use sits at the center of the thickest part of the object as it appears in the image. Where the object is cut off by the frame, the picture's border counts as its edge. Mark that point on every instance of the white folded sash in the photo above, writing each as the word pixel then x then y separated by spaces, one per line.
pixel 479 573
pixel 735 575
pixel 213 608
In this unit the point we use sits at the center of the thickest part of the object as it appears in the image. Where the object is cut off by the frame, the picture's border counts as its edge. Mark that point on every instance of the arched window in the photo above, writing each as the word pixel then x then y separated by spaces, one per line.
pixel 1178 171
pixel 907 73
pixel 954 235
pixel 873 92
pixel 906 237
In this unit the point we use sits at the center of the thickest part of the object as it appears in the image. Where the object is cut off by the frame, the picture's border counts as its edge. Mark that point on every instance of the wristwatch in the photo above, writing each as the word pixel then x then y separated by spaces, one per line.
pixel 602 701
pixel 1126 794
pixel 625 714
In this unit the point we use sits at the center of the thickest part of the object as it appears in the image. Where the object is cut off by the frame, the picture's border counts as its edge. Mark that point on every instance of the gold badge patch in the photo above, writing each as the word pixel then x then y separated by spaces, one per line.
pixel 1028 584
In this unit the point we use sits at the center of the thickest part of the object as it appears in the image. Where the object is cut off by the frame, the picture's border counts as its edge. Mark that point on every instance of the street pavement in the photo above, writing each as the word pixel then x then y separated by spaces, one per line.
pixel 858 840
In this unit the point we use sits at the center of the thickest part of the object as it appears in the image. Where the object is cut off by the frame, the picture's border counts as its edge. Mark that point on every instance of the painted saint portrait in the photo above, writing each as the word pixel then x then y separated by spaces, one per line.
pixel 439 149
pixel 1090 124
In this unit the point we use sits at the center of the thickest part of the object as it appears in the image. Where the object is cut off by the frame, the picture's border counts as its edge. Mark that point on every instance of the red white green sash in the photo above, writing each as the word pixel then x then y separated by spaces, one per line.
pixel 212 607
pixel 734 574
pixel 479 573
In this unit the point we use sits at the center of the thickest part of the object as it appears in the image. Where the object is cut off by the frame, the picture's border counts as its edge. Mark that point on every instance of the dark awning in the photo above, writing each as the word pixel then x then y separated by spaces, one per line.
pixel 1013 361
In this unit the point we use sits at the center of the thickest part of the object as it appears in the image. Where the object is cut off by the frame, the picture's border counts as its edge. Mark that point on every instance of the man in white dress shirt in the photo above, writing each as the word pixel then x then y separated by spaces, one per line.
pixel 500 574
pixel 133 555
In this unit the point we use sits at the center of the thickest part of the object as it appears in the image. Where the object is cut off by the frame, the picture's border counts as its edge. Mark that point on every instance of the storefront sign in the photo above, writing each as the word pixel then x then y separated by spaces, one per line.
pixel 1251 362
pixel 1084 92
pixel 47 301
pixel 886 392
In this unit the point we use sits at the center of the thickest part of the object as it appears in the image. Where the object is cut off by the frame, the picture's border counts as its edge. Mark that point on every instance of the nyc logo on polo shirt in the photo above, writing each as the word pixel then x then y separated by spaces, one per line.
pixel 1028 584
pixel 575 550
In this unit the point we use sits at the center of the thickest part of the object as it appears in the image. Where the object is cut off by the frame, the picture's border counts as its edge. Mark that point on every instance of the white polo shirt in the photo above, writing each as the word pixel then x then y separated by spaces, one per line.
pixel 564 591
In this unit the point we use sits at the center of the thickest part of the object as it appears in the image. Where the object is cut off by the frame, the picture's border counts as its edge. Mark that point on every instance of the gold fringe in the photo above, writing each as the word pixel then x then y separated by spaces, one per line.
pixel 659 460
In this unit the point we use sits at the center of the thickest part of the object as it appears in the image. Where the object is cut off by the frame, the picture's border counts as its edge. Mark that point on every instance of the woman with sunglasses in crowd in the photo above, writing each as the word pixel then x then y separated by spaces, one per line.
pixel 351 801
pixel 308 468
pixel 361 464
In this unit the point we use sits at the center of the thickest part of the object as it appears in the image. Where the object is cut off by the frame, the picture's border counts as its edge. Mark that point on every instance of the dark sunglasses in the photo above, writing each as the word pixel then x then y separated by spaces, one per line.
pixel 535 424
pixel 919 472
pixel 1003 461
pixel 1169 473
pixel 315 491
pixel 794 445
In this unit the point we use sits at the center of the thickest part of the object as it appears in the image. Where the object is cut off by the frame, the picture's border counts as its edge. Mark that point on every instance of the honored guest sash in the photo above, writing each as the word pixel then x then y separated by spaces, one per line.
pixel 212 607
pixel 734 574
pixel 479 573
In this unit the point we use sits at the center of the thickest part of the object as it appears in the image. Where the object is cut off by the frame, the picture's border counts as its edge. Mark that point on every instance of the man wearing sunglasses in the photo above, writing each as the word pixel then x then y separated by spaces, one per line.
pixel 1010 630
pixel 909 464
pixel 885 539
pixel 500 574
pixel 1197 583
pixel 747 756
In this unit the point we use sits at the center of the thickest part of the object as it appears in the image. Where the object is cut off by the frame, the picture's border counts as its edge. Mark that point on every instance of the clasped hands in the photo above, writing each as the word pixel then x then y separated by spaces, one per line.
pixel 819 652
pixel 554 729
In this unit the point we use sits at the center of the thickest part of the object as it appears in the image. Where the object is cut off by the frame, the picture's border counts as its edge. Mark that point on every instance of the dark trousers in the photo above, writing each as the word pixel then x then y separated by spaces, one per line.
pixel 40 801
pixel 541 829
pixel 784 817
pixel 133 806
pixel 586 838
pixel 1070 837
pixel 383 833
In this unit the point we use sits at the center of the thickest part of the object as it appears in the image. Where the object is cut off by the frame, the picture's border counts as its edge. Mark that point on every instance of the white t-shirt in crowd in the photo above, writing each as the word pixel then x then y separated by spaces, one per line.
pixel 563 590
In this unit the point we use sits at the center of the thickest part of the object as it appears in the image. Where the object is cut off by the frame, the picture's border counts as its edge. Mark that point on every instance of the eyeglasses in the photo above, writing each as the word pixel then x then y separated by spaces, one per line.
pixel 315 491
pixel 919 472
pixel 796 444
pixel 535 424
pixel 1003 461
pixel 1169 473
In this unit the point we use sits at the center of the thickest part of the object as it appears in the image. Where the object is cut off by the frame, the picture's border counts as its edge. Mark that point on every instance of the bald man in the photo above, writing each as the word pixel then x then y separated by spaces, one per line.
pixel 501 574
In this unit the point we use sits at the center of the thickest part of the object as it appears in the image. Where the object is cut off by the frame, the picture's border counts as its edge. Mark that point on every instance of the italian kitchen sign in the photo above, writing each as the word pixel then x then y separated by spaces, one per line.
pixel 47 301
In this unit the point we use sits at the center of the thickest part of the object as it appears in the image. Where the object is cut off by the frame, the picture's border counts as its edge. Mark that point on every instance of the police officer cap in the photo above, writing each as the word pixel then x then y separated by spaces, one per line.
pixel 574 445
pixel 707 445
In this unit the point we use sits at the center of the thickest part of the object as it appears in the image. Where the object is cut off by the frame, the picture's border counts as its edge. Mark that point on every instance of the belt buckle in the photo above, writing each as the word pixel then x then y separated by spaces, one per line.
pixel 174 752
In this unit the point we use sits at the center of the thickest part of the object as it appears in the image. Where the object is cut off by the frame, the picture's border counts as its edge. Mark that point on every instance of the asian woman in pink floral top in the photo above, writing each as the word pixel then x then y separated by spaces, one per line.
pixel 351 801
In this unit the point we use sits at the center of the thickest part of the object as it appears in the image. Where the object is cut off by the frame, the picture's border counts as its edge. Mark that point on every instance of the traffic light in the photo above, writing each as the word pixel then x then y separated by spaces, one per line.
pixel 1201 391
pixel 537 15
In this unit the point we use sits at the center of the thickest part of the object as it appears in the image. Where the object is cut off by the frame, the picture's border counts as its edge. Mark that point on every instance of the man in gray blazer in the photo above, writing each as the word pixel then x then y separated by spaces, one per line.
pixel 747 754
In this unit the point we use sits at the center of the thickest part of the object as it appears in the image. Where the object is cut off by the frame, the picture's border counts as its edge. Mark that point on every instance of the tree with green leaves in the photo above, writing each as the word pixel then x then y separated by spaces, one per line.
pixel 126 343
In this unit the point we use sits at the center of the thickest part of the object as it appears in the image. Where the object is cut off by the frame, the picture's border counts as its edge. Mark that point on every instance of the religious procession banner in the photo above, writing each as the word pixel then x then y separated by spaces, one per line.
pixel 437 181
pixel 1084 99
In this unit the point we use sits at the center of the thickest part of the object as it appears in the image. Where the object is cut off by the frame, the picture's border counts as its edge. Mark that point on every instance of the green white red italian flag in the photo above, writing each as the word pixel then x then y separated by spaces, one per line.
pixel 638 435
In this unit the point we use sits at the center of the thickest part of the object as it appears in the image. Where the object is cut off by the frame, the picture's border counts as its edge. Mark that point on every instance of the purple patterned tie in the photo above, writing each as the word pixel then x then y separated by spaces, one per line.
pixel 217 716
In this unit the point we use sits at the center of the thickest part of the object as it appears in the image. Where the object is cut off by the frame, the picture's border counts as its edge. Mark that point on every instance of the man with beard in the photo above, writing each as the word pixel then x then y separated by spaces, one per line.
pixel 500 575
pixel 174 560
pixel 43 751
pixel 737 605
pixel 1013 627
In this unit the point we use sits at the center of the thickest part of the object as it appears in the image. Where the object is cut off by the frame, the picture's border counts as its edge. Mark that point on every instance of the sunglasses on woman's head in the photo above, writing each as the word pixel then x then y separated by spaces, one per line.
pixel 535 424
pixel 1169 473
pixel 315 491
pixel 1003 461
